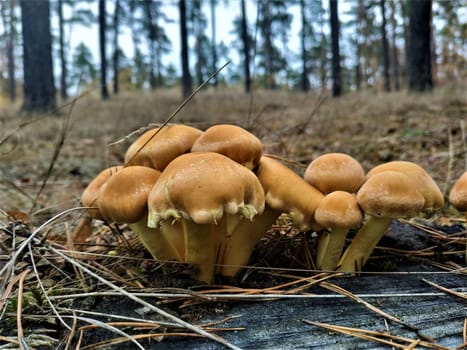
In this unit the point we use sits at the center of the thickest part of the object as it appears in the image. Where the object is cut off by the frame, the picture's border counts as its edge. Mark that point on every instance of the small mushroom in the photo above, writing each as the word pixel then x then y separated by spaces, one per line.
pixel 338 212
pixel 335 172
pixel 458 193
pixel 383 197
pixel 286 192
pixel 206 195
pixel 123 199
pixel 158 147
pixel 89 197
pixel 232 141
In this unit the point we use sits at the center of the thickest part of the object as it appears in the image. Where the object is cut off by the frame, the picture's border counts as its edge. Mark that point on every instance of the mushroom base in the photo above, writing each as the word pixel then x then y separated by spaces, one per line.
pixel 363 244
pixel 330 247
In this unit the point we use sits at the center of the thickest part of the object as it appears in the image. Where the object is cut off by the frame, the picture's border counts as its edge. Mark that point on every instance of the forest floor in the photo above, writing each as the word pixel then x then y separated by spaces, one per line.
pixel 47 161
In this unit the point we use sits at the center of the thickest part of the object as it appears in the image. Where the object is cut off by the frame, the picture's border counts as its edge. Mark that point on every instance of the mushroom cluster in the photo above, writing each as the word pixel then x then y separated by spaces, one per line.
pixel 200 197
pixel 207 197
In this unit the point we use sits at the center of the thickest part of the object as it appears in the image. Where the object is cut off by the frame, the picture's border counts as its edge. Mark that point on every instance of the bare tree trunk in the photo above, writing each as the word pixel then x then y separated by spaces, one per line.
pixel 187 88
pixel 420 78
pixel 267 45
pixel 246 48
pixel 8 19
pixel 336 65
pixel 102 47
pixel 395 58
pixel 403 5
pixel 385 53
pixel 304 81
pixel 63 75
pixel 152 43
pixel 116 54
pixel 39 88
pixel 213 42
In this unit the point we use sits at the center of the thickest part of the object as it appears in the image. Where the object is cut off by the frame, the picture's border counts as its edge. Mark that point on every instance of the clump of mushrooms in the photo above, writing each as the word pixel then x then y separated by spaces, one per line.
pixel 206 196
pixel 338 176
pixel 397 189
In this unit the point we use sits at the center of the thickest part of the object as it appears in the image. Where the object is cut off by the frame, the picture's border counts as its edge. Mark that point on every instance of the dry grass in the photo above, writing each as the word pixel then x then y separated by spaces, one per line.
pixel 46 273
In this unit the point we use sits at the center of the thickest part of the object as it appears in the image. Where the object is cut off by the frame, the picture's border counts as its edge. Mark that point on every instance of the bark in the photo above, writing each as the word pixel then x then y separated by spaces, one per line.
pixel 336 65
pixel 394 51
pixel 64 71
pixel 10 40
pixel 246 48
pixel 267 45
pixel 116 54
pixel 419 55
pixel 102 47
pixel 385 46
pixel 304 82
pixel 187 88
pixel 152 43
pixel 213 42
pixel 39 89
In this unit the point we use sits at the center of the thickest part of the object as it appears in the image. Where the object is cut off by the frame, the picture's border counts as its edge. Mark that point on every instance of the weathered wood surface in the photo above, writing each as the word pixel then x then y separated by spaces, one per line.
pixel 279 324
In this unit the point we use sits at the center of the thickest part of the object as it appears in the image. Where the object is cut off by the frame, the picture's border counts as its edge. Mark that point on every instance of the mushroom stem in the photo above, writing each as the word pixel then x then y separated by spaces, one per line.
pixel 154 241
pixel 197 238
pixel 242 240
pixel 175 237
pixel 330 247
pixel 363 244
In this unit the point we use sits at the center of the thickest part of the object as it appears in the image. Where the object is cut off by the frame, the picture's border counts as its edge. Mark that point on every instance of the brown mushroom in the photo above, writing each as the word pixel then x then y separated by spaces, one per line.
pixel 383 197
pixel 123 199
pixel 232 141
pixel 89 197
pixel 286 192
pixel 158 147
pixel 338 212
pixel 206 195
pixel 335 172
pixel 458 193
pixel 425 184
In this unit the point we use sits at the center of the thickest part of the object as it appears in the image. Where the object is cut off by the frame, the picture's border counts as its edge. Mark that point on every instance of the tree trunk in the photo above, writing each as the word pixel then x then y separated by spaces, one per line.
pixel 116 54
pixel 246 48
pixel 152 43
pixel 102 47
pixel 63 75
pixel 404 15
pixel 39 88
pixel 419 55
pixel 395 58
pixel 336 65
pixel 187 88
pixel 9 25
pixel 213 42
pixel 304 81
pixel 385 53
pixel 358 67
pixel 267 45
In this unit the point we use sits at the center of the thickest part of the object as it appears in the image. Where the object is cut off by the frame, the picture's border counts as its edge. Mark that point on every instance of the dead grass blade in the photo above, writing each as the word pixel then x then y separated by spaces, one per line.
pixel 378 336
pixel 19 310
pixel 144 303
pixel 373 308
pixel 446 290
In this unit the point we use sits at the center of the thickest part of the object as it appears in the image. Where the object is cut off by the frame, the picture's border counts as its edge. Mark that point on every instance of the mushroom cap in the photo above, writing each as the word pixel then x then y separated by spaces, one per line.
pixel 335 172
pixel 434 198
pixel 390 194
pixel 232 141
pixel 123 198
pixel 458 193
pixel 288 193
pixel 202 187
pixel 89 197
pixel 158 147
pixel 338 209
